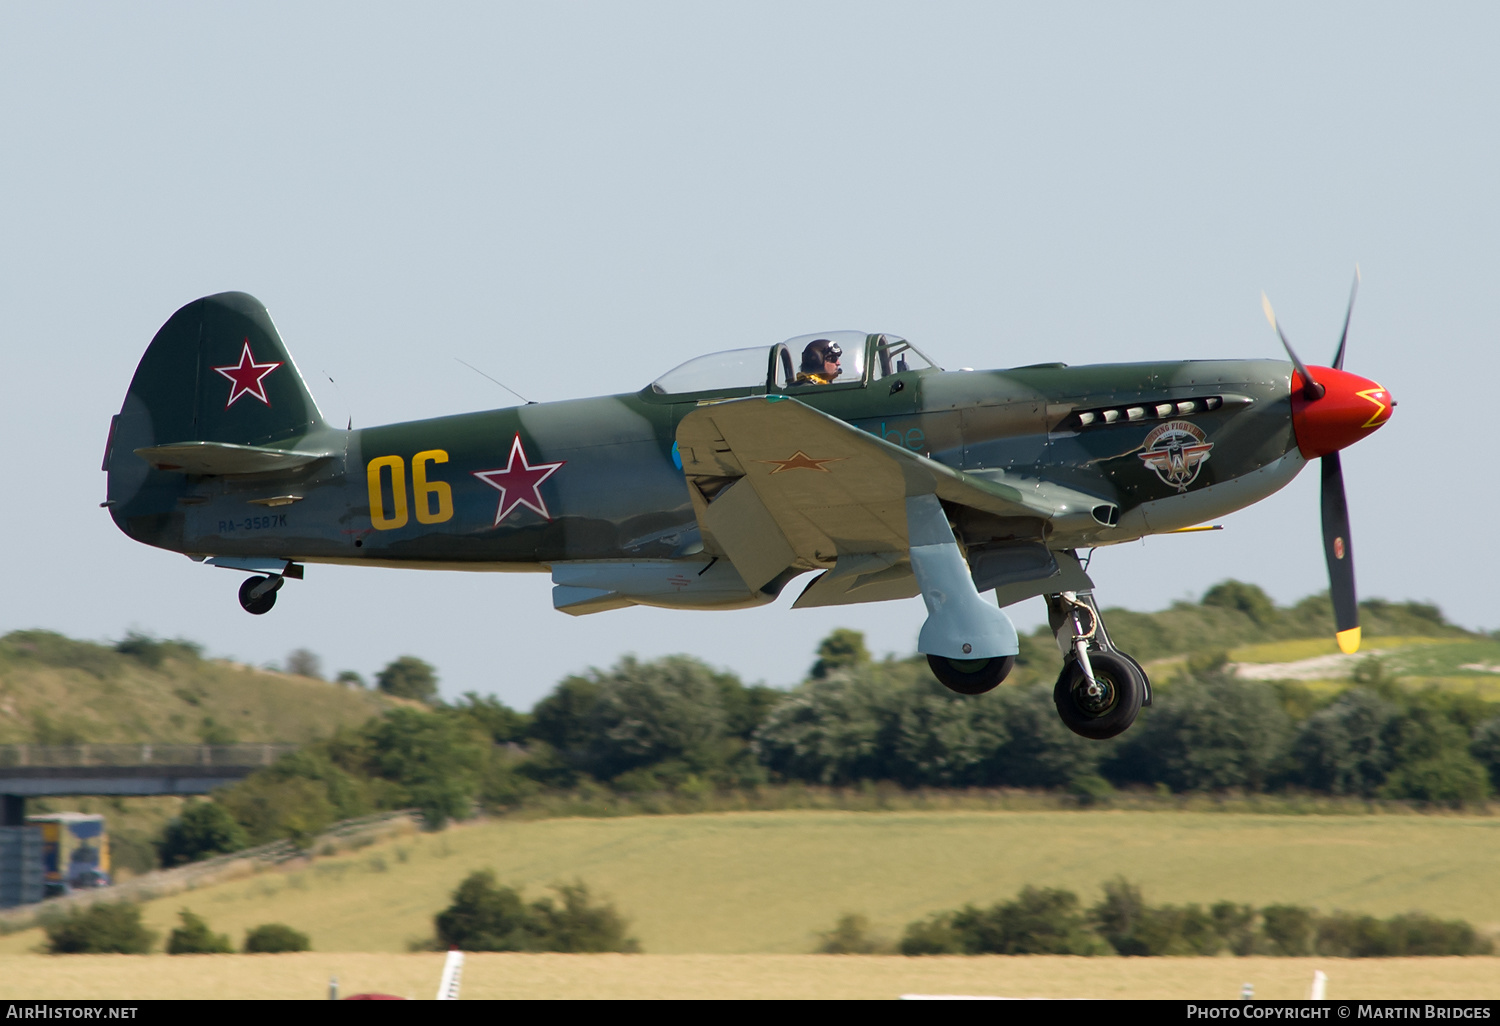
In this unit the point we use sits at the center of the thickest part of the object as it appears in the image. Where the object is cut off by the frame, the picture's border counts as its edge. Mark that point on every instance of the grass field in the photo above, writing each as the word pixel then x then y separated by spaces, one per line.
pixel 743 883
pixel 305 976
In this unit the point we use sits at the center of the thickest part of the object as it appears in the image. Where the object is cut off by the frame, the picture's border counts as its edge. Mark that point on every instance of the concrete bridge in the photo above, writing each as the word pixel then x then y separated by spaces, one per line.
pixel 35 771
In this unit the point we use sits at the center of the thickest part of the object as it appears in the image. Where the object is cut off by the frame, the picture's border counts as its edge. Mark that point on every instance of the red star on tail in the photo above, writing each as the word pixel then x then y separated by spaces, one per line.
pixel 519 485
pixel 248 378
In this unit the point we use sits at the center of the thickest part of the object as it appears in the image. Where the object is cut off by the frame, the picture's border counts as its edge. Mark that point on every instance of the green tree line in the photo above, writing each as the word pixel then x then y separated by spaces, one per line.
pixel 677 725
pixel 1052 921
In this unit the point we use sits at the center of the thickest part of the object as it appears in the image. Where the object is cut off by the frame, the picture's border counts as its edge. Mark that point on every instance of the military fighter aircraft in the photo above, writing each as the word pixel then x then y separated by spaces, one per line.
pixel 847 455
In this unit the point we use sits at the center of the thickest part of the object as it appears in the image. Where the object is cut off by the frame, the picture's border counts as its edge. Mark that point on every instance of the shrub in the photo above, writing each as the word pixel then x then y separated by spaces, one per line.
pixel 576 925
pixel 498 720
pixel 932 936
pixel 100 929
pixel 194 937
pixel 639 714
pixel 487 917
pixel 1431 755
pixel 935 738
pixel 204 829
pixel 1039 750
pixel 1343 748
pixel 1247 598
pixel 1045 921
pixel 1417 933
pixel 1039 921
pixel 1450 778
pixel 132 850
pixel 1221 732
pixel 1119 916
pixel 827 731
pixel 1048 922
pixel 851 936
pixel 1344 935
pixel 430 758
pixel 153 652
pixel 842 649
pixel 1236 925
pixel 301 662
pixel 274 939
pixel 1289 929
pixel 409 677
pixel 1486 748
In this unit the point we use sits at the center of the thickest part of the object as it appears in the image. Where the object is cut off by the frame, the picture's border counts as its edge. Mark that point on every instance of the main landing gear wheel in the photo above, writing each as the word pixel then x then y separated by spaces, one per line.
pixel 1106 710
pixel 261 603
pixel 971 676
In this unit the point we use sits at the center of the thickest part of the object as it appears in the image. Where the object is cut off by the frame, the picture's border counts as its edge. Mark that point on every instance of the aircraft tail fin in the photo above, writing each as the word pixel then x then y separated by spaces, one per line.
pixel 217 371
pixel 215 393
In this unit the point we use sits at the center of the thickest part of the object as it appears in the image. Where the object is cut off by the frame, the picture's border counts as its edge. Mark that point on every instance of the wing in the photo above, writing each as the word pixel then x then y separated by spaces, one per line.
pixel 777 485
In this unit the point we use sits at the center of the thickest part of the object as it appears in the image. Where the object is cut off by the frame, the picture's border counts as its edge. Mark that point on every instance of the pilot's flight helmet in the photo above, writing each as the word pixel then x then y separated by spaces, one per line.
pixel 817 352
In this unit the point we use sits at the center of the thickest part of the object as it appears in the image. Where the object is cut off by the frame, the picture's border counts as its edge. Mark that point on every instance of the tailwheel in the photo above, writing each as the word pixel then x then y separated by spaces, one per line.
pixel 258 594
pixel 971 676
pixel 1107 707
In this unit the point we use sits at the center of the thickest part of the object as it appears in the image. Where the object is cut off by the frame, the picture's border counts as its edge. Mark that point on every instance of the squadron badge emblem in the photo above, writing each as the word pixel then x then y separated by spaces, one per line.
pixel 1176 450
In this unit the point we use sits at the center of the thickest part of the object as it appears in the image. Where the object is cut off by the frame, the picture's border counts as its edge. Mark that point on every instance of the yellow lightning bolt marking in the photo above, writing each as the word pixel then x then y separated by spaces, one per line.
pixel 1381 408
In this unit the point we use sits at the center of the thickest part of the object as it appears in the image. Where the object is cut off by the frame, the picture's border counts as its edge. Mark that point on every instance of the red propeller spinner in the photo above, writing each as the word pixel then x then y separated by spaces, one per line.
pixel 1350 408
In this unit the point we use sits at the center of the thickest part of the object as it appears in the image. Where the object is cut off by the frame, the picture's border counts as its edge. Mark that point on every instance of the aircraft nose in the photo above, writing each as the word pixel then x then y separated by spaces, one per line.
pixel 1351 408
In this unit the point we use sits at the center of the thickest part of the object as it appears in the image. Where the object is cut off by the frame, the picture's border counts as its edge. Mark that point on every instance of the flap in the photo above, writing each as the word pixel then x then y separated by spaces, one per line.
pixel 830 489
pixel 778 484
pixel 222 458
pixel 864 577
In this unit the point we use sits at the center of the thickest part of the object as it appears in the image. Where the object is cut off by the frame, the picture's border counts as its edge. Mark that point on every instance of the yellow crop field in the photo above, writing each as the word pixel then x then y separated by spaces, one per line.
pixel 306 976
pixel 767 882
pixel 1307 648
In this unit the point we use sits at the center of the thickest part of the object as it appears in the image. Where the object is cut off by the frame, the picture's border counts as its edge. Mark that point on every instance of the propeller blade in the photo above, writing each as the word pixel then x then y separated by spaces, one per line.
pixel 1338 357
pixel 1310 389
pixel 1339 552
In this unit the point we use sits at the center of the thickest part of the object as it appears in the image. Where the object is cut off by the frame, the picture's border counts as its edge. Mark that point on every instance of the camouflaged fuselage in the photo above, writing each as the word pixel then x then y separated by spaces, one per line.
pixel 1168 444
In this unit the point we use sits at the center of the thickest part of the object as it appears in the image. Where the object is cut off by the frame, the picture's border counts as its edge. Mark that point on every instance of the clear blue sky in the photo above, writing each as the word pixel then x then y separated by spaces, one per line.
pixel 575 197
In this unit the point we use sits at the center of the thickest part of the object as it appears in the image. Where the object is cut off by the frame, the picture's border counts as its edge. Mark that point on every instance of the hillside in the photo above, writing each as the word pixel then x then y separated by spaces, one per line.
pixel 54 690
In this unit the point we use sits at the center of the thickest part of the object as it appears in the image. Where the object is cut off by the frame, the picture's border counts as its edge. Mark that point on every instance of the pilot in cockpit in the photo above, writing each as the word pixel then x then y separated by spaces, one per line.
pixel 820 363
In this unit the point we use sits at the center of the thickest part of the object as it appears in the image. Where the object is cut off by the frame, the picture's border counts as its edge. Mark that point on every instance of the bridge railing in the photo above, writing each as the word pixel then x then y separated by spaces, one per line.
pixel 25 756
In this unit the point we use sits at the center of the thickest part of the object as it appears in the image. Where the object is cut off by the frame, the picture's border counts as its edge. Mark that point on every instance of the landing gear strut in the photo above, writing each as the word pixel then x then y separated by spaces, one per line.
pixel 1100 689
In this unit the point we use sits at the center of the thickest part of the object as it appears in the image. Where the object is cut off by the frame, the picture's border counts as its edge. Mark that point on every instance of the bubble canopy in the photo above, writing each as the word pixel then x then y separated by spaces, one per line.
pixel 776 367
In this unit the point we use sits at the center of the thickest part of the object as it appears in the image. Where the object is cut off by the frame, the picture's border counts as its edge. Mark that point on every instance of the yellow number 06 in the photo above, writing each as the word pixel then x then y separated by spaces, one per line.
pixel 425 493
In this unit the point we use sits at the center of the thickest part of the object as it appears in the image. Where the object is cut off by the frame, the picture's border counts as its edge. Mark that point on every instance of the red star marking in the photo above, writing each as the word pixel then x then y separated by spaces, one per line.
pixel 802 461
pixel 519 485
pixel 248 378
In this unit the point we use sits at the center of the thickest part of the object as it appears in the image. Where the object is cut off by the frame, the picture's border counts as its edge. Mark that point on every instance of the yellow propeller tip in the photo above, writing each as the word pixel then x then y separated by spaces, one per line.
pixel 1265 304
pixel 1349 641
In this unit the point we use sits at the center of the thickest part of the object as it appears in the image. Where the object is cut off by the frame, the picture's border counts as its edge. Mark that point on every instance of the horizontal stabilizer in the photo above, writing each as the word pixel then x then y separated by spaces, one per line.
pixel 223 458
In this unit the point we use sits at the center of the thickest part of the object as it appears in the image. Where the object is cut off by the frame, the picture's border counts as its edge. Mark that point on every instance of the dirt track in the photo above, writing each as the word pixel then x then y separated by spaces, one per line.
pixel 736 976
